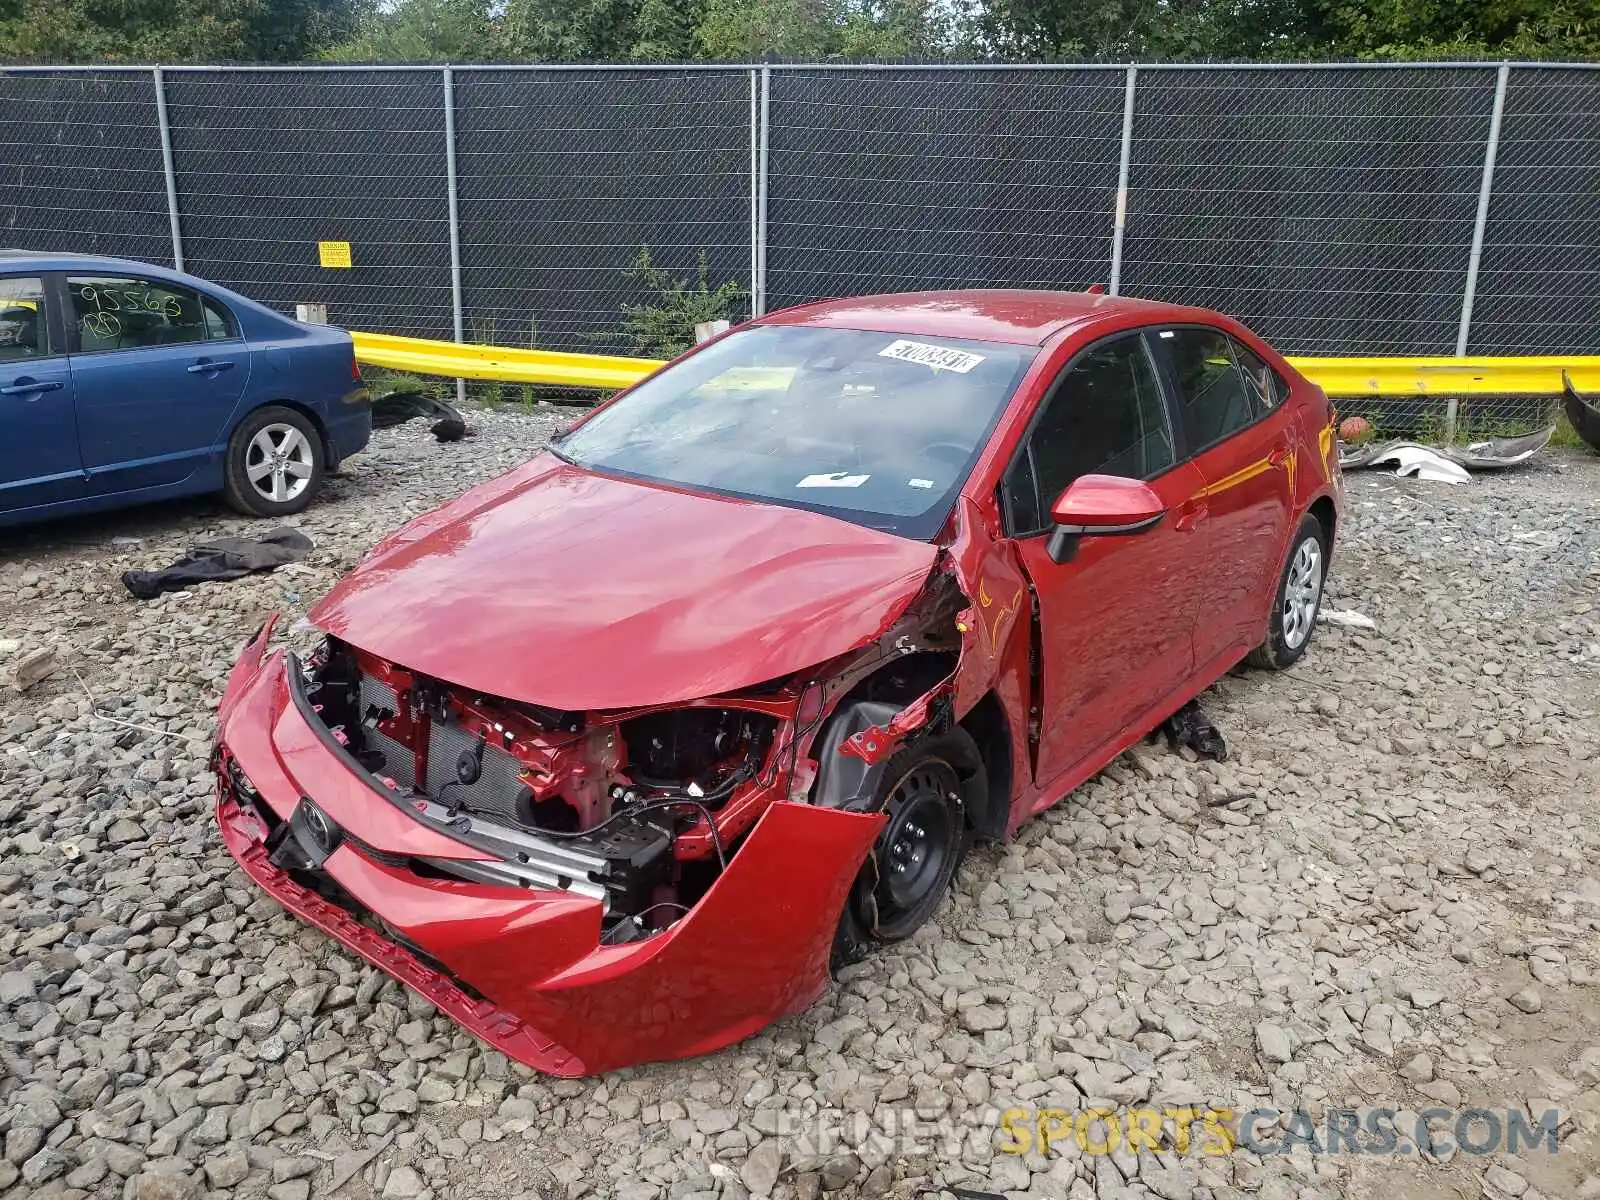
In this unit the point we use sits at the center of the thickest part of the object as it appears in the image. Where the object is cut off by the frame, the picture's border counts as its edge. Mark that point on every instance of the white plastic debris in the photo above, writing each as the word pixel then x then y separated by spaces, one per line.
pixel 1419 462
pixel 1495 454
pixel 1348 617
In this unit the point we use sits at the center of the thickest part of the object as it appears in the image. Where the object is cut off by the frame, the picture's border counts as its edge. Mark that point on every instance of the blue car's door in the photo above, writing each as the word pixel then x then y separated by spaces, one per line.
pixel 39 462
pixel 157 369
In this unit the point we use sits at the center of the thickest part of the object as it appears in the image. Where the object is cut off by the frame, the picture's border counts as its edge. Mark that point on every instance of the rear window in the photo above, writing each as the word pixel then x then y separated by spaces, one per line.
pixel 124 313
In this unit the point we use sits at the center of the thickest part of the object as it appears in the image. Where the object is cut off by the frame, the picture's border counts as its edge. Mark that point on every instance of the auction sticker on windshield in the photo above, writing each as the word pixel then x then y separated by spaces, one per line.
pixel 939 357
pixel 833 479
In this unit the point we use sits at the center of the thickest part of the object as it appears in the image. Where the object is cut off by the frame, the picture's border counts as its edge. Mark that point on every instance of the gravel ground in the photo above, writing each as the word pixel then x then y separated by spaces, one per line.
pixel 1389 896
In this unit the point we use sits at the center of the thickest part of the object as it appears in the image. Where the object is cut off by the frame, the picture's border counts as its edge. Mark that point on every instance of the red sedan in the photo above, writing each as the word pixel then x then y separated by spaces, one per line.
pixel 611 757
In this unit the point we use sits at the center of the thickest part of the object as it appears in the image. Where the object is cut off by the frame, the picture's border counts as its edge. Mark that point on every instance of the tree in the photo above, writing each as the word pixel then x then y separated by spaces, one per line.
pixel 1124 30
pixel 664 30
pixel 567 30
pixel 422 31
pixel 173 31
pixel 1464 28
pixel 820 29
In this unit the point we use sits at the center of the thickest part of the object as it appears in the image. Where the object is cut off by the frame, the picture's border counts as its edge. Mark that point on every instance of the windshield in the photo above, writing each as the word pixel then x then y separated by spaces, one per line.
pixel 877 428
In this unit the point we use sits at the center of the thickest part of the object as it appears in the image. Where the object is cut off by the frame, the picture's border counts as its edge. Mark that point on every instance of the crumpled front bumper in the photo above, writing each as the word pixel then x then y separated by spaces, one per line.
pixel 524 969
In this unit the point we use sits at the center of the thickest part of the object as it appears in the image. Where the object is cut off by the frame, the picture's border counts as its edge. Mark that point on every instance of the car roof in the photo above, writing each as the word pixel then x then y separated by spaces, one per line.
pixel 52 260
pixel 48 260
pixel 1016 315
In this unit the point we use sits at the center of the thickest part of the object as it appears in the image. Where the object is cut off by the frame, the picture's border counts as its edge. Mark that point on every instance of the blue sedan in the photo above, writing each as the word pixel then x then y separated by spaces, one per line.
pixel 122 382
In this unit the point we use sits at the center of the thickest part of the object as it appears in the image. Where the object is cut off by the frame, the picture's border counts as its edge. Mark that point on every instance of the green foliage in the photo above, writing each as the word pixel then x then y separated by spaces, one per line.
pixel 1123 30
pixel 566 30
pixel 381 381
pixel 664 326
pixel 664 30
pixel 179 31
pixel 422 31
pixel 824 29
pixel 173 31
pixel 1422 29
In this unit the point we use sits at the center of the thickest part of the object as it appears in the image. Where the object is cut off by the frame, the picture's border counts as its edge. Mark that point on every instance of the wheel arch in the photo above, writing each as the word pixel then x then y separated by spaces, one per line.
pixel 1322 508
pixel 893 685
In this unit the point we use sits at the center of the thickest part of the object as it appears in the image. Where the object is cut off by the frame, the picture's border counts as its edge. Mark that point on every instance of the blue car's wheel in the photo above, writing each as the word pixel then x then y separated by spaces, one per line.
pixel 275 463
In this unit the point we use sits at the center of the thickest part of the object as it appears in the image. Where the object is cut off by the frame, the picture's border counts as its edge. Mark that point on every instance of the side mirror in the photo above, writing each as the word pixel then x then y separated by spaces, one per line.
pixel 1101 506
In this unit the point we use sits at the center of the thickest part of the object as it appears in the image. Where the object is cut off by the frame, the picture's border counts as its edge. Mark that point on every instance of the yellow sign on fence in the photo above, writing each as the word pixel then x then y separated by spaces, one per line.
pixel 334 254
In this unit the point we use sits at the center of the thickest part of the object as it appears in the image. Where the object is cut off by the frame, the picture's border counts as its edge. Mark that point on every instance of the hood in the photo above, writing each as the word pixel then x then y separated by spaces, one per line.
pixel 557 586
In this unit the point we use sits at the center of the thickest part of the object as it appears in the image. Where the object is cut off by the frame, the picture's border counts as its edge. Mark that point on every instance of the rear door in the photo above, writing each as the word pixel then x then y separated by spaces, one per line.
pixel 39 461
pixel 1235 428
pixel 158 370
pixel 1117 621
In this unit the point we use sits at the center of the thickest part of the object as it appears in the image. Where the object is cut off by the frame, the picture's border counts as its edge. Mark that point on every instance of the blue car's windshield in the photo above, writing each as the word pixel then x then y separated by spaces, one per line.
pixel 877 428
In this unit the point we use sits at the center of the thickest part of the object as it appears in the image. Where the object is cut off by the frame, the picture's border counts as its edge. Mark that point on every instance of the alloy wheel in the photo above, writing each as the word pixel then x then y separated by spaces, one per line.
pixel 279 463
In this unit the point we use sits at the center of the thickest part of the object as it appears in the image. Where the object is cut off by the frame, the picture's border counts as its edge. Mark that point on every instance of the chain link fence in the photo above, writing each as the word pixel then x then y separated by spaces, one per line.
pixel 81 165
pixel 269 165
pixel 565 177
pixel 882 181
pixel 1339 209
pixel 1329 212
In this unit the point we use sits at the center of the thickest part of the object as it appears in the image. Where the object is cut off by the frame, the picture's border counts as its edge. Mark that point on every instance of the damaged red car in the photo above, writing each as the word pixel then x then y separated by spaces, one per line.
pixel 614 755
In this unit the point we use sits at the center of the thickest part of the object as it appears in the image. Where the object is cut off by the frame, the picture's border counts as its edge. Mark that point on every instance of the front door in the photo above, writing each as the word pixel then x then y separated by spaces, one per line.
pixel 1117 619
pixel 39 462
pixel 158 373
pixel 1241 441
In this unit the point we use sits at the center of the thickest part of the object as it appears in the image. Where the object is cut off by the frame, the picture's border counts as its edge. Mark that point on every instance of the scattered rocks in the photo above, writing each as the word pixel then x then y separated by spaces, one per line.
pixel 760 1170
pixel 227 1169
pixel 1387 894
pixel 1529 1000
pixel 34 666
pixel 1274 1043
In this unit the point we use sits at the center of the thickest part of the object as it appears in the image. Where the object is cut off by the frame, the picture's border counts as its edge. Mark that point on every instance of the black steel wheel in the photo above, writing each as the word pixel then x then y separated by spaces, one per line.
pixel 915 857
pixel 916 852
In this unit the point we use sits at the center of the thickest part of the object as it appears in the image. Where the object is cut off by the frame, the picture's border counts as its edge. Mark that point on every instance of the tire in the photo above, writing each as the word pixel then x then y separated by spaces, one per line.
pixel 910 867
pixel 282 449
pixel 1297 600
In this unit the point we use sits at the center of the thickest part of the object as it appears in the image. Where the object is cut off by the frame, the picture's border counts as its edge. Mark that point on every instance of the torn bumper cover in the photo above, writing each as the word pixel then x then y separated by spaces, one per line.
pixel 521 966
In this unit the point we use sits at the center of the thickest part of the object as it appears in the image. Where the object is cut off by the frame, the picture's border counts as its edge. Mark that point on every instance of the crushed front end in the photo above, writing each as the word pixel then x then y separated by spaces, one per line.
pixel 585 891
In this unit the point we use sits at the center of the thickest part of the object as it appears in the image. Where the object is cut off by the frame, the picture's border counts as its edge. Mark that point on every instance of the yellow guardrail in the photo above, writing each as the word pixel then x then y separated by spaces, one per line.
pixel 465 360
pixel 1339 377
pixel 1494 376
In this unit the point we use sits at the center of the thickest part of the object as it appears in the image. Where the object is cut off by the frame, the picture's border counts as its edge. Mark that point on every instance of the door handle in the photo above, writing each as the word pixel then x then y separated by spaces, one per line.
pixel 1279 456
pixel 25 387
pixel 1189 516
pixel 205 365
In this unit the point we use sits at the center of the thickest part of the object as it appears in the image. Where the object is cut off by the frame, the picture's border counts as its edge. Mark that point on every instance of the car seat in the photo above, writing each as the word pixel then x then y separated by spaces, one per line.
pixel 19 332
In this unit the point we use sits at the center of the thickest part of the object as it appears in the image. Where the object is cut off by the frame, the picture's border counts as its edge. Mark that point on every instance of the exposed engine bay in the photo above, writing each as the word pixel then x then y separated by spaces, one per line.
pixel 640 810
pixel 631 809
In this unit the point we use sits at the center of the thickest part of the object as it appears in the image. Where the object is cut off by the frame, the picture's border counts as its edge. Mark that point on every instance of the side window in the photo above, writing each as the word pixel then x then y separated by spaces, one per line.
pixel 1104 416
pixel 24 332
pixel 219 321
pixel 1213 395
pixel 114 313
pixel 1267 387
